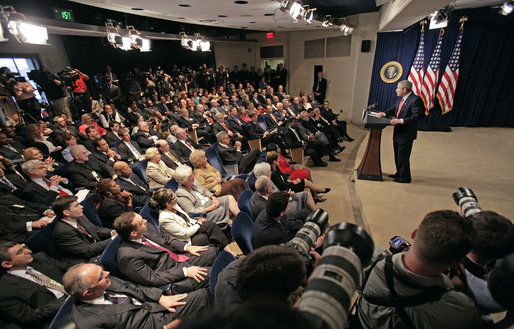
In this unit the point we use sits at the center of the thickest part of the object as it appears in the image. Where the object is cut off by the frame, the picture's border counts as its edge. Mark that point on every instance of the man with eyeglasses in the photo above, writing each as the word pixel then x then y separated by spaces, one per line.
pixel 31 291
pixel 102 301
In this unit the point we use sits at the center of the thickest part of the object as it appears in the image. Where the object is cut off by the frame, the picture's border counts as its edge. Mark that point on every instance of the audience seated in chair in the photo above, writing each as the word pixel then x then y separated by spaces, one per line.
pixel 130 182
pixel 99 301
pixel 111 201
pixel 152 258
pixel 232 154
pixel 194 198
pixel 157 172
pixel 176 223
pixel 211 179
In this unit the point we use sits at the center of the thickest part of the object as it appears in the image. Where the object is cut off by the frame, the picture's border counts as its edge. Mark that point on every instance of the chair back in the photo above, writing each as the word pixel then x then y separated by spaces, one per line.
pixel 151 215
pixel 242 232
pixel 42 241
pixel 140 170
pixel 244 202
pixel 109 257
pixel 251 181
pixel 64 311
pixel 115 144
pixel 172 184
pixel 214 158
pixel 261 121
pixel 89 209
pixel 222 260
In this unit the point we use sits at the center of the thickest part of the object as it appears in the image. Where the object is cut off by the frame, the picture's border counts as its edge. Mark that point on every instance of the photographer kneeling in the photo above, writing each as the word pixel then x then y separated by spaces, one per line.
pixel 410 289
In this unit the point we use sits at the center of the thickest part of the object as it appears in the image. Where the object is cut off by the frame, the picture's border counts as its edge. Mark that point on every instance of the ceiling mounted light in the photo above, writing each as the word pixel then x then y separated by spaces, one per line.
pixel 295 11
pixel 138 42
pixel 507 8
pixel 309 15
pixel 437 21
pixel 328 22
pixel 22 31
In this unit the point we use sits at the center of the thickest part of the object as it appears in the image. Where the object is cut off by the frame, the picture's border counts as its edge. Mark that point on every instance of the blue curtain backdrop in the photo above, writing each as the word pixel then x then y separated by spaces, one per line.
pixel 485 91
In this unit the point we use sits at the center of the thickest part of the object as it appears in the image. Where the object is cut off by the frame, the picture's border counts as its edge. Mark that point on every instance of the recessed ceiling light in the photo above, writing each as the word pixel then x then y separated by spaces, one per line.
pixel 280 27
pixel 241 2
pixel 181 18
pixel 246 15
pixel 244 27
pixel 252 22
pixel 269 14
pixel 184 5
pixel 222 16
pixel 137 8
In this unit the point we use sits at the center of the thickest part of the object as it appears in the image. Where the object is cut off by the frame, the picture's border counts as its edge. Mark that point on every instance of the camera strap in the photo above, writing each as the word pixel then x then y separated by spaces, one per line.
pixel 429 294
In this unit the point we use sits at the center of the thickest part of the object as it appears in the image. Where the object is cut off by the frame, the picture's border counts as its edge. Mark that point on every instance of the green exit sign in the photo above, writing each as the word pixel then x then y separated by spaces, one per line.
pixel 63 14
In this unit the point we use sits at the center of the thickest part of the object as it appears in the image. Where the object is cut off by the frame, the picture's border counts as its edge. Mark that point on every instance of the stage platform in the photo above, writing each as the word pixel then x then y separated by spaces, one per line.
pixel 479 158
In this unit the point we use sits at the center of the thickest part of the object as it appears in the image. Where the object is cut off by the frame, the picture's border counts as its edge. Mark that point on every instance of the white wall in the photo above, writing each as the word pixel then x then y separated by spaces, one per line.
pixel 348 77
pixel 229 54
pixel 52 56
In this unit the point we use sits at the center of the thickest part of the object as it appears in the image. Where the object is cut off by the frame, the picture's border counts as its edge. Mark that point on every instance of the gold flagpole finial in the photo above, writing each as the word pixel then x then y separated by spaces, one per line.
pixel 422 23
pixel 462 20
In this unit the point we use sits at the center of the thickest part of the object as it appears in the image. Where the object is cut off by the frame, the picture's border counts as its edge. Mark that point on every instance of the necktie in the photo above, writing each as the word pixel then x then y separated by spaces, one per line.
pixel 172 157
pixel 45 281
pixel 6 182
pixel 296 134
pixel 83 231
pixel 130 180
pixel 225 126
pixel 118 300
pixel 399 108
pixel 133 150
pixel 274 119
pixel 61 192
pixel 12 149
pixel 178 258
pixel 189 145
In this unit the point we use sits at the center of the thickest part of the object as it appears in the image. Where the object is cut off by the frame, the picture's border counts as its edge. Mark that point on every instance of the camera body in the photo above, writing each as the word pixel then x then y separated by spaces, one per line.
pixel 398 244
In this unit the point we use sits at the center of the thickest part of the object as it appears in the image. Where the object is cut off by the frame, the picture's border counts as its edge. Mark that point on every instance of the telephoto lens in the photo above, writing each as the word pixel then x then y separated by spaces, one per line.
pixel 327 298
pixel 315 225
pixel 467 201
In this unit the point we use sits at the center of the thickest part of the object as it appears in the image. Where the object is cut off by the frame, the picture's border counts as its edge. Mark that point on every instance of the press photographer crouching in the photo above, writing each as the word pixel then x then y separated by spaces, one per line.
pixel 410 289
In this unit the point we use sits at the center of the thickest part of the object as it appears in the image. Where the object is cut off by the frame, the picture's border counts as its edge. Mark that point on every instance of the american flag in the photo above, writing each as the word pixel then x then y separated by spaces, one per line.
pixel 431 76
pixel 446 90
pixel 417 71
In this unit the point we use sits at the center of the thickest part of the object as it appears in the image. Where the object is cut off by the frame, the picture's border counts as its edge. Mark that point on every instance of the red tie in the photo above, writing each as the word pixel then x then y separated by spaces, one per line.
pixel 225 126
pixel 61 192
pixel 83 231
pixel 178 258
pixel 399 107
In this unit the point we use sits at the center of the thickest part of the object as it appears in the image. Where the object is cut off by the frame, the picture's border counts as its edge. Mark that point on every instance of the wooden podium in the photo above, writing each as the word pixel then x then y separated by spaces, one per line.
pixel 370 167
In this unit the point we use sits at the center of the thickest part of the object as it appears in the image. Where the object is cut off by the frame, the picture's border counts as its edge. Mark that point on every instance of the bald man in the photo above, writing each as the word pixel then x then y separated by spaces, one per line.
pixel 102 301
pixel 130 182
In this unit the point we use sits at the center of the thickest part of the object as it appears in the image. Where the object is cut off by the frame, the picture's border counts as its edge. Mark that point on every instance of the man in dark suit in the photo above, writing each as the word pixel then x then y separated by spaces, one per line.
pixel 340 125
pixel 183 146
pixel 103 153
pixel 319 87
pixel 12 151
pixel 233 121
pixel 128 149
pixel 255 131
pixel 112 93
pixel 190 123
pixel 232 154
pixel 132 183
pixel 74 236
pixel 20 218
pixel 31 292
pixel 61 129
pixel 169 157
pixel 221 125
pixel 40 189
pixel 102 301
pixel 151 258
pixel 272 225
pixel 295 139
pixel 406 112
pixel 144 139
pixel 85 171
pixel 113 135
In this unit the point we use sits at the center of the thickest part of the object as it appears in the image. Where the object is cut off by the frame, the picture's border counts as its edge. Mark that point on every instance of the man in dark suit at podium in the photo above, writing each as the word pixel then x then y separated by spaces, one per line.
pixel 405 113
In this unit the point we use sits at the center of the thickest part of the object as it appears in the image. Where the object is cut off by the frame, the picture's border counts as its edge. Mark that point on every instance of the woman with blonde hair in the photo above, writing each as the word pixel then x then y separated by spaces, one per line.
pixel 174 221
pixel 157 172
pixel 211 179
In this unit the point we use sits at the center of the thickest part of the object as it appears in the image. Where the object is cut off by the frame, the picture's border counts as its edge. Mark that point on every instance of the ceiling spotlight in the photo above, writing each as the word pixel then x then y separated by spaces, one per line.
pixel 346 29
pixel 28 33
pixel 295 11
pixel 138 42
pixel 506 8
pixel 437 21
pixel 309 15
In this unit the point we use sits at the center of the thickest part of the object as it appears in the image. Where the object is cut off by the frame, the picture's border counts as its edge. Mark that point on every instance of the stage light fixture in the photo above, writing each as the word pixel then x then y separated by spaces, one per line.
pixel 309 15
pixel 507 8
pixel 138 42
pixel 437 21
pixel 22 31
pixel 296 11
pixel 328 22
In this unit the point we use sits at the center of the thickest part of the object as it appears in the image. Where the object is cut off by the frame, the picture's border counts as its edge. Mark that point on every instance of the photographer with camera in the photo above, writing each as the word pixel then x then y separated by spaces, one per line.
pixel 76 83
pixel 53 87
pixel 410 289
pixel 493 240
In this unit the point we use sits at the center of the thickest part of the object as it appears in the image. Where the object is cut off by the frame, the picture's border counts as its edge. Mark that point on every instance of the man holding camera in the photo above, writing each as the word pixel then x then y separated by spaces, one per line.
pixel 410 290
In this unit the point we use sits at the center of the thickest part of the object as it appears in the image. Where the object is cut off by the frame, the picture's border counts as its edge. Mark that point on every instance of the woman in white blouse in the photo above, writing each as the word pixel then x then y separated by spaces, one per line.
pixel 177 224
pixel 157 172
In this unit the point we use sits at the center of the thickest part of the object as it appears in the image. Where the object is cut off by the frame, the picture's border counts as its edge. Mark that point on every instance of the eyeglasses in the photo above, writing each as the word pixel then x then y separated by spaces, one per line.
pixel 22 249
pixel 103 275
